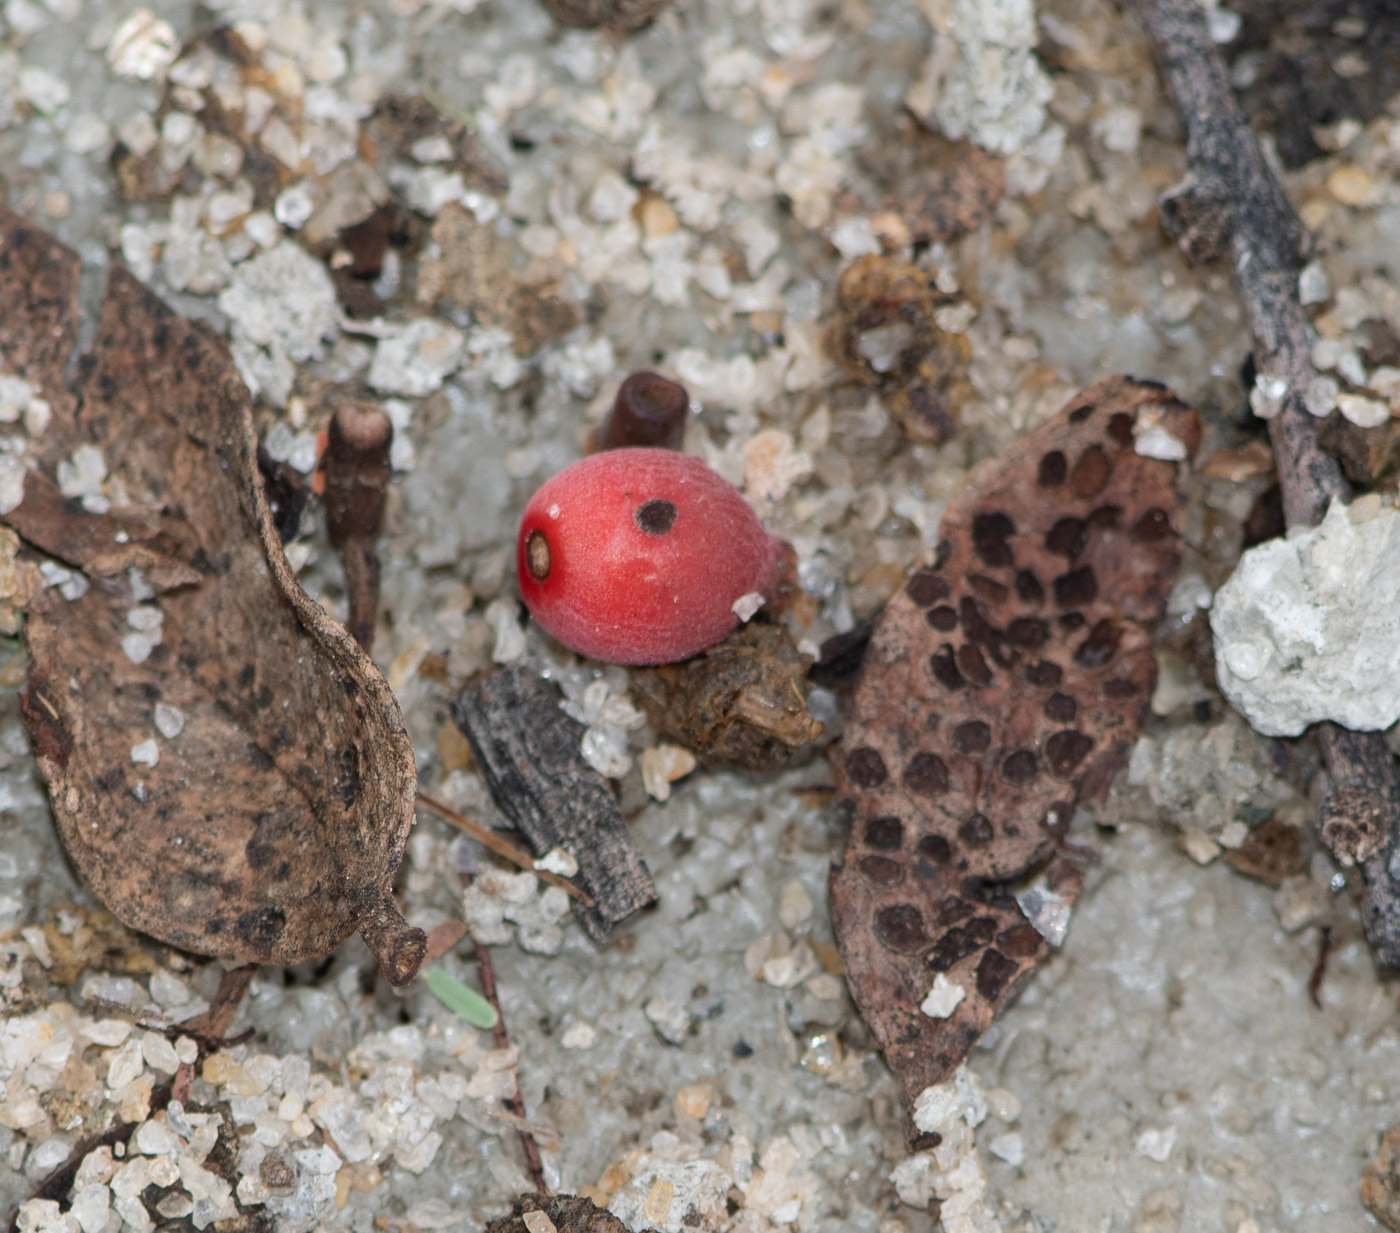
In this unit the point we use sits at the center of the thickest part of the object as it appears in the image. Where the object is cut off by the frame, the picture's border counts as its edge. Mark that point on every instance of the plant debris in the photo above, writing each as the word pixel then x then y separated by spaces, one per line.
pixel 1001 686
pixel 556 1213
pixel 1271 853
pixel 229 772
pixel 741 703
pixel 528 751
pixel 887 333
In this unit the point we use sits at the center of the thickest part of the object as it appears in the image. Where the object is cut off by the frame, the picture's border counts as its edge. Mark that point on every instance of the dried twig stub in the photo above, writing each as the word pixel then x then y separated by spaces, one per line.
pixel 528 751
pixel 1002 685
pixel 1231 204
pixel 357 483
pixel 649 410
pixel 229 772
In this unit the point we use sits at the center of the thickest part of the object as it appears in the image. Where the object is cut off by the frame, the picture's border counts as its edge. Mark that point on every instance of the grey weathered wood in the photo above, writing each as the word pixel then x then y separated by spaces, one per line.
pixel 1232 205
pixel 528 751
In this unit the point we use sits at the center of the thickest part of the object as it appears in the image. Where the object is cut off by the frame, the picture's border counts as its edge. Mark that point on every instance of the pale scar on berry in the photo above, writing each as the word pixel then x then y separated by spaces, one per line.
pixel 1002 685
pixel 655 517
pixel 537 556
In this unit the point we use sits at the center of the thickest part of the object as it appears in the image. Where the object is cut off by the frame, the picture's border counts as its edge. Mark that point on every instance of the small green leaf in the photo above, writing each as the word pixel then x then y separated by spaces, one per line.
pixel 467 1002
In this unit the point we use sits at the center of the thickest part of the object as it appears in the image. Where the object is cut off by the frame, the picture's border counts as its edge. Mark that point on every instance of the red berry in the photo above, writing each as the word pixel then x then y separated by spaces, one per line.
pixel 636 556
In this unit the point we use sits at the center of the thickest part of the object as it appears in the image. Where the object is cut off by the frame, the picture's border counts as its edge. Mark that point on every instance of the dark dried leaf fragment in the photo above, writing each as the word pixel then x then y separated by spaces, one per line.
pixel 1025 722
pixel 272 824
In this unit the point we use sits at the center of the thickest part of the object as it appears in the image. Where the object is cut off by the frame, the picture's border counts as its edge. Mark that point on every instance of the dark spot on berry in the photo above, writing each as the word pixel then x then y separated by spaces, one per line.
pixel 1120 428
pixel 1076 588
pixel 936 848
pixel 1081 413
pixel 1072 621
pixel 1044 673
pixel 537 556
pixel 1151 526
pixel 1068 537
pixel 973 666
pixel 1052 470
pixel 865 768
pixel 1090 473
pixel 881 870
pixel 926 588
pixel 971 737
pixel 1106 517
pixel 885 834
pixel 1020 941
pixel 976 832
pixel 1019 767
pixel 901 928
pixel 942 617
pixel 943 664
pixel 926 774
pixel 1100 646
pixel 1028 587
pixel 1029 633
pixel 1061 708
pixel 994 973
pixel 1066 749
pixel 655 517
pixel 1119 687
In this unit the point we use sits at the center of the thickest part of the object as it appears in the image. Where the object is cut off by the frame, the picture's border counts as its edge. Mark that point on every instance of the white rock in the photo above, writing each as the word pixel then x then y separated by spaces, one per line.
pixel 1156 1143
pixel 1009 1148
pixel 943 998
pixel 143 46
pixel 1308 628
pixel 415 359
pixel 1363 412
pixel 983 81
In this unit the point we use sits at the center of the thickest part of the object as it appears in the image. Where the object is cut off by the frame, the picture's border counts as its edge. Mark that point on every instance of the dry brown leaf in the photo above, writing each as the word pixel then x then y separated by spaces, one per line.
pixel 270 826
pixel 1001 686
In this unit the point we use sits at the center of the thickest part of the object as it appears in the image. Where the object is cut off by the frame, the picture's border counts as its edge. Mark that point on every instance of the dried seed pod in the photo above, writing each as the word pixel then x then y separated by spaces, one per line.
pixel 649 410
pixel 262 815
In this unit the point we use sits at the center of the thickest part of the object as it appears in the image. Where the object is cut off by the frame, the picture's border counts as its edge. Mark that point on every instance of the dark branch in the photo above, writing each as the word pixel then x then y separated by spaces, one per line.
pixel 1232 205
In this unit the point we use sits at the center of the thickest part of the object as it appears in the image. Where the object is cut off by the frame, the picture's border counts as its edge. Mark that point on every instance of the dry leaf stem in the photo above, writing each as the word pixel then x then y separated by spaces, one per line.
pixel 488 838
pixel 1231 205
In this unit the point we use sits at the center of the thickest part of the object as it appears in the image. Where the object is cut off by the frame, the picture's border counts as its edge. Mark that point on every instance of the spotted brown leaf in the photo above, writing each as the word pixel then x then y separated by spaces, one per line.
pixel 1001 685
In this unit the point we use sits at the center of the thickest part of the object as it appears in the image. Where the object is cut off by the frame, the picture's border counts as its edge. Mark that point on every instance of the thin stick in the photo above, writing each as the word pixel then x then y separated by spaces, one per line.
pixel 515 1102
pixel 501 847
pixel 1232 205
